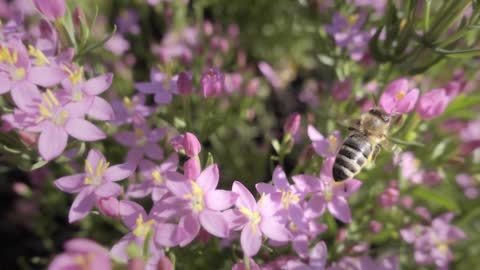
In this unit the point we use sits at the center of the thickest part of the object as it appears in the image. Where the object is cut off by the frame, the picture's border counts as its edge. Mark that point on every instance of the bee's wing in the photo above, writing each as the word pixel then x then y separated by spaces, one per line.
pixel 349 123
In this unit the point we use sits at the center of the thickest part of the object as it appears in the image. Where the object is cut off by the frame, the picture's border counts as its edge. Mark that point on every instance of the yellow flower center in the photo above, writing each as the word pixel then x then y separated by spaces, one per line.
pixel 332 144
pixel 95 177
pixel 157 177
pixel 352 19
pixel 143 228
pixel 40 58
pixel 400 95
pixel 288 197
pixel 127 102
pixel 196 197
pixel 48 109
pixel 140 135
pixel 84 261
pixel 254 217
pixel 8 57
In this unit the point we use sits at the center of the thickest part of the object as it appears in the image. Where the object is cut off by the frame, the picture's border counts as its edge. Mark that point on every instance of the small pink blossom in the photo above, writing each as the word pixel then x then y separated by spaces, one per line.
pixel 398 97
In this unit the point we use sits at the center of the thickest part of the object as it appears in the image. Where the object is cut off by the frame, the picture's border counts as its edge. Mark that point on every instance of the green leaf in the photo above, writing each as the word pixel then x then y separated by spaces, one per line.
pixel 440 148
pixel 436 198
pixel 458 53
pixel 210 159
pixel 39 164
pixel 461 103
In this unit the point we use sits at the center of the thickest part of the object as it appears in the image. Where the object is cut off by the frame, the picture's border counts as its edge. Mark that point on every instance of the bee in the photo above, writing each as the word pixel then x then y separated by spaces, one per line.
pixel 367 136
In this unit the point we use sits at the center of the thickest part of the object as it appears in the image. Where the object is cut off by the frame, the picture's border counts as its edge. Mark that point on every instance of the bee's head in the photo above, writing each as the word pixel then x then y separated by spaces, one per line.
pixel 376 121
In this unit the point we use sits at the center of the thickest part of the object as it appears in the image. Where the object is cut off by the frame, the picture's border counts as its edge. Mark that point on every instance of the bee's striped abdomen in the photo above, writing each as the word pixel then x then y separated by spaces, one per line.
pixel 352 156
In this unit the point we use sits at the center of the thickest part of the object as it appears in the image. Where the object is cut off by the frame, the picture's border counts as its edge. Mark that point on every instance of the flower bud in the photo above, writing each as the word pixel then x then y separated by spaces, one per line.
pixel 212 83
pixel 191 145
pixel 292 124
pixel 52 9
pixel 177 143
pixel 192 168
pixel 82 29
pixel 433 103
pixel 165 264
pixel 342 90
pixel 108 207
pixel 184 83
pixel 21 189
pixel 375 226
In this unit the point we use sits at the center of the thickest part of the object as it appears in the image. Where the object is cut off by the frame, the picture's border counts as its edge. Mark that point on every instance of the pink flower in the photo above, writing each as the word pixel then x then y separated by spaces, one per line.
pixel 97 182
pixel 325 147
pixel 390 196
pixel 200 203
pixel 81 253
pixel 212 83
pixel 77 89
pixel 141 225
pixel 52 9
pixel 433 103
pixel 256 219
pixel 469 186
pixel 191 145
pixel 241 265
pixel 270 74
pixel 326 193
pixel 143 141
pixel 398 98
pixel 160 85
pixel 292 124
pixel 131 110
pixel 317 259
pixel 54 120
pixel 154 179
pixel 341 90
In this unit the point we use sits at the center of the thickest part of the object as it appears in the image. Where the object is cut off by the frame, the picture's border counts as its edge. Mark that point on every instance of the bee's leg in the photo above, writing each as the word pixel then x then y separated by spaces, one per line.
pixel 373 156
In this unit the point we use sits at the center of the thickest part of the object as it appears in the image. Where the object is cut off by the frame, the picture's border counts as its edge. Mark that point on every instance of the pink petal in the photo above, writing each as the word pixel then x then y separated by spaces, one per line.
pixel 338 207
pixel 165 235
pixel 314 134
pixel 269 205
pixel 234 219
pixel 109 189
pixel 306 183
pixel 163 97
pixel 265 188
pixel 63 261
pixel 274 230
pixel 300 244
pixel 148 87
pixel 129 212
pixel 119 172
pixel 208 179
pixel 220 199
pixel 119 250
pixel 192 168
pixel 83 130
pixel 170 164
pixel 189 227
pixel 280 178
pixel 178 188
pixel 214 223
pixel 82 204
pixel 315 207
pixel 84 245
pixel 245 198
pixel 26 96
pixel 46 76
pixel 98 85
pixel 140 190
pixel 154 151
pixel 78 109
pixel 126 138
pixel 5 84
pixel 52 142
pixel 71 183
pixel 251 240
pixel 101 110
pixel 158 193
pixel 407 103
pixel 348 187
pixel 94 156
pixel 318 255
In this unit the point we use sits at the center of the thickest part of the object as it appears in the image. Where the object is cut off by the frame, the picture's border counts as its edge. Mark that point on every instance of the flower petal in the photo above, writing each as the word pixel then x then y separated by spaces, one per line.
pixel 315 207
pixel 306 183
pixel 119 250
pixel 220 199
pixel 163 97
pixel 101 110
pixel 348 187
pixel 130 211
pixel 119 172
pixel 208 179
pixel 108 189
pixel 148 87
pixel 314 134
pixel 274 230
pixel 338 207
pixel 82 205
pixel 154 151
pixel 5 84
pixel 52 142
pixel 84 245
pixel 245 198
pixel 318 255
pixel 178 188
pixel 170 164
pixel 71 183
pixel 165 235
pixel 265 188
pixel 280 178
pixel 250 240
pixel 139 190
pixel 190 227
pixel 126 138
pixel 214 223
pixel 98 85
pixel 46 76
pixel 83 130
pixel 26 96
pixel 94 156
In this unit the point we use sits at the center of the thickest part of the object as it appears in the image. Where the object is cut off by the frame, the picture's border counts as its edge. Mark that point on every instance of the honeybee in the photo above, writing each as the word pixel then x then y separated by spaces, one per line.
pixel 367 136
